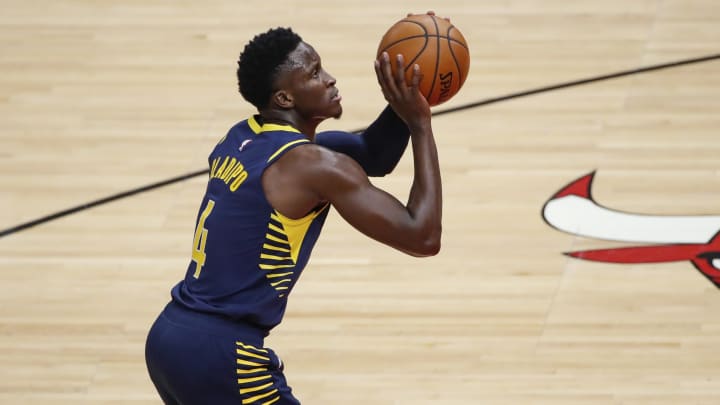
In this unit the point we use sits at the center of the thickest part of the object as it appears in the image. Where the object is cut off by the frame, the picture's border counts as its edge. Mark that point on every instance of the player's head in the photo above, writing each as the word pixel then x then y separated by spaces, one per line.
pixel 260 61
pixel 277 69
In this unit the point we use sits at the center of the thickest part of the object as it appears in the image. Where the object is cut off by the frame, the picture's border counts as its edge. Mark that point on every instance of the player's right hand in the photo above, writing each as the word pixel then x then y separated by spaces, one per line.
pixel 407 100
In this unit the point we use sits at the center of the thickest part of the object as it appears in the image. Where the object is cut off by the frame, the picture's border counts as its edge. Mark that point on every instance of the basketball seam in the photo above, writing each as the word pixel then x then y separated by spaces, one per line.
pixel 417 55
pixel 425 36
pixel 452 53
pixel 437 59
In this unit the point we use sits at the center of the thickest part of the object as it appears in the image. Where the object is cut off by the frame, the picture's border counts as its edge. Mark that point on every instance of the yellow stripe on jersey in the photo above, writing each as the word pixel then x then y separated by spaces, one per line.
pixel 246 353
pixel 271 247
pixel 276 228
pixel 255 389
pixel 253 379
pixel 257 397
pixel 287 145
pixel 251 370
pixel 249 363
pixel 277 283
pixel 275 266
pixel 271 257
pixel 275 238
pixel 257 128
pixel 250 347
pixel 274 275
pixel 254 125
pixel 272 401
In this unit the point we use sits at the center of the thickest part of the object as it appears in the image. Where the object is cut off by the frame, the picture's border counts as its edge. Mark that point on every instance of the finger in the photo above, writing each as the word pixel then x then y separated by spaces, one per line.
pixel 417 76
pixel 400 72
pixel 387 74
pixel 384 78
pixel 430 12
pixel 381 79
pixel 378 75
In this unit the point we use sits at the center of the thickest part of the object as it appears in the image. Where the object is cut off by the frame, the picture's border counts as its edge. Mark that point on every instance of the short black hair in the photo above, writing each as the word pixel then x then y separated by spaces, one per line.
pixel 259 63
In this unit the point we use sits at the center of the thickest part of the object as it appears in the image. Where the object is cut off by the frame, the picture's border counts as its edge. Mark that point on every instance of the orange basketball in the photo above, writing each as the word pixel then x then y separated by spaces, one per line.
pixel 437 46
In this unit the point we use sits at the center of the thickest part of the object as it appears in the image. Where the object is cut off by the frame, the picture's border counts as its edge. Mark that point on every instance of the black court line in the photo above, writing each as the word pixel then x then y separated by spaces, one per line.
pixel 463 107
pixel 101 201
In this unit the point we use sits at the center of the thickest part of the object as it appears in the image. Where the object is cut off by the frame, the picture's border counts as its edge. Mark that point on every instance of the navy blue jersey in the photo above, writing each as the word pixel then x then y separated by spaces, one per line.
pixel 246 256
pixel 207 345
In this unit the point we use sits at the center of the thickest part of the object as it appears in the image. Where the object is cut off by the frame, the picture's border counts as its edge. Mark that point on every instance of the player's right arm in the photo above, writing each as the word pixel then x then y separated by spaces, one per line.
pixel 311 174
pixel 414 228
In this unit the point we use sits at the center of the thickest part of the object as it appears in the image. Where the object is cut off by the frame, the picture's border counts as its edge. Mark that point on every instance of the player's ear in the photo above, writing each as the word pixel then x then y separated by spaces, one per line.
pixel 283 99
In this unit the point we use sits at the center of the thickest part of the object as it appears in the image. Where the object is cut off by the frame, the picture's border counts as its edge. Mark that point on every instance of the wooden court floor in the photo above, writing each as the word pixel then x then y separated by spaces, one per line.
pixel 101 97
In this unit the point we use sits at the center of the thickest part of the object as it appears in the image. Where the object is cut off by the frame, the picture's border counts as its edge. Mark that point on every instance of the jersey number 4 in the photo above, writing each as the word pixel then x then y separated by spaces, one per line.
pixel 198 253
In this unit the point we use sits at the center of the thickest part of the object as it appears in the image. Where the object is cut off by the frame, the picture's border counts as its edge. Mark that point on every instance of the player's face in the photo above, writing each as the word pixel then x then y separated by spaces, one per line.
pixel 313 89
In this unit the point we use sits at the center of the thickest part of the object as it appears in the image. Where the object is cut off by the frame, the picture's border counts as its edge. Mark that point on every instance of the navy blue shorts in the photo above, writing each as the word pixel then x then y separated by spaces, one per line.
pixel 201 359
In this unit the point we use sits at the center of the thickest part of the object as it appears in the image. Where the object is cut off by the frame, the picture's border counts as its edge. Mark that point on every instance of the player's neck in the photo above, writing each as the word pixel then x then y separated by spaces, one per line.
pixel 306 127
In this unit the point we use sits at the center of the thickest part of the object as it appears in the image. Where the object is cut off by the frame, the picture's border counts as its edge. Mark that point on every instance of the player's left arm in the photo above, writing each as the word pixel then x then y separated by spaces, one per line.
pixel 378 149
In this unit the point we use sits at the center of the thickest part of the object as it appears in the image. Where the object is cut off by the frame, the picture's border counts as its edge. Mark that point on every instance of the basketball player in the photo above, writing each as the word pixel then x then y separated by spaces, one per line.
pixel 272 182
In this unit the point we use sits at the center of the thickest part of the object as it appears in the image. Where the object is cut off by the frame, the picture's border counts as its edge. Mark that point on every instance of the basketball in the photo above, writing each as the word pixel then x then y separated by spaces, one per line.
pixel 437 46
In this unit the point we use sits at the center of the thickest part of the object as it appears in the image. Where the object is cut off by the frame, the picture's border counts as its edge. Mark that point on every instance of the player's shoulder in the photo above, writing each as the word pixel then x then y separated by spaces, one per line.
pixel 321 160
pixel 311 153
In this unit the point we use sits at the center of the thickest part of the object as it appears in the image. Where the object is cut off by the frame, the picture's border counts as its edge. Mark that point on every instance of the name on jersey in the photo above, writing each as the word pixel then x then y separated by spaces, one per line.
pixel 231 171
